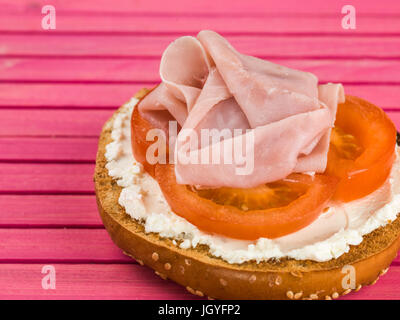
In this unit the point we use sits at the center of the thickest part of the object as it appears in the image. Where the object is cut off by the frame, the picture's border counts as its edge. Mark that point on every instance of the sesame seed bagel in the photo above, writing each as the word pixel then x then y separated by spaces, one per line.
pixel 205 275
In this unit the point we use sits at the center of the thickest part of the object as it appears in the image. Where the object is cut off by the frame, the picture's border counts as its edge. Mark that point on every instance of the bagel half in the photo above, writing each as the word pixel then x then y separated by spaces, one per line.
pixel 205 275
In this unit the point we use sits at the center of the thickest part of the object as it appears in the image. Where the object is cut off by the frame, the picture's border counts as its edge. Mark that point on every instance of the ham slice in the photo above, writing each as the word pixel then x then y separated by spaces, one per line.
pixel 268 120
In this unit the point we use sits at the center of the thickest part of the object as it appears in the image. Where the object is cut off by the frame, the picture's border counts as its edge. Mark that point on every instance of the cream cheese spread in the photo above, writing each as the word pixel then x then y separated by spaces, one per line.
pixel 328 237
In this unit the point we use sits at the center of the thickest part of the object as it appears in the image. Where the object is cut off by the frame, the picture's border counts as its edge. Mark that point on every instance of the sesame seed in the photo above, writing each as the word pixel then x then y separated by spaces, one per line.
pixel 182 269
pixel 278 280
pixel 313 296
pixel 190 290
pixel 358 288
pixel 335 295
pixel 346 292
pixel 298 295
pixel 199 293
pixel 297 274
pixel 162 276
pixel 328 298
pixel 155 256
pixel 290 294
pixel 167 266
pixel 384 271
pixel 223 282
pixel 188 262
pixel 252 278
pixel 140 262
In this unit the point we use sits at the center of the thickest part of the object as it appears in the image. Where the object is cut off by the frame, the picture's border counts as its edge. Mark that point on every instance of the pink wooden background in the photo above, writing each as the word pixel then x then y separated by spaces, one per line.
pixel 57 87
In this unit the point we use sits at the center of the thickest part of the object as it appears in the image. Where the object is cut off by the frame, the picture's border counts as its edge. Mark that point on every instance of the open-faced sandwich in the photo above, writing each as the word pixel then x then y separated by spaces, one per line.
pixel 242 179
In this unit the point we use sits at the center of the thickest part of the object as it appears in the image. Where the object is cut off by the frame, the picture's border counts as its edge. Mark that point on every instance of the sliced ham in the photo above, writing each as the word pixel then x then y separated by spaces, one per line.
pixel 279 117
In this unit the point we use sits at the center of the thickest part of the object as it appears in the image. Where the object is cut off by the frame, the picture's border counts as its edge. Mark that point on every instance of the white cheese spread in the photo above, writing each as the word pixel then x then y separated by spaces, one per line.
pixel 328 237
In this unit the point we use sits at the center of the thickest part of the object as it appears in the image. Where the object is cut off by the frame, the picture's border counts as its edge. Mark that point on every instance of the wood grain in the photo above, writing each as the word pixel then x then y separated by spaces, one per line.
pixel 49 211
pixel 28 149
pixel 86 281
pixel 59 245
pixel 191 24
pixel 110 96
pixel 205 7
pixel 122 281
pixel 52 123
pixel 146 71
pixel 38 178
pixel 67 123
pixel 131 46
pixel 94 96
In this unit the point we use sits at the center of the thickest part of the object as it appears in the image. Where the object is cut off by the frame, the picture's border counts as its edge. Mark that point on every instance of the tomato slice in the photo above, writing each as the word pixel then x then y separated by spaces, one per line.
pixel 212 213
pixel 139 129
pixel 362 149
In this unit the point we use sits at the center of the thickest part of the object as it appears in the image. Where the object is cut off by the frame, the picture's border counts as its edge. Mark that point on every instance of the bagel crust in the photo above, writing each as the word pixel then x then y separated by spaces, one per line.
pixel 205 275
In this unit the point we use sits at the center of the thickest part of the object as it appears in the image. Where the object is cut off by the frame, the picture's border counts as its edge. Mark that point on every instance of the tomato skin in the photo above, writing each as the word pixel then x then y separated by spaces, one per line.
pixel 249 225
pixel 139 129
pixel 377 135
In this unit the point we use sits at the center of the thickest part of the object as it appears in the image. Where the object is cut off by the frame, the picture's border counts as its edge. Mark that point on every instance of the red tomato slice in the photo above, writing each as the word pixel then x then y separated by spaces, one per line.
pixel 299 207
pixel 362 149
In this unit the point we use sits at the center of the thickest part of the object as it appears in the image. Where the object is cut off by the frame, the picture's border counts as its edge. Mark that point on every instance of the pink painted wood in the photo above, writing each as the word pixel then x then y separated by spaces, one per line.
pixel 67 123
pixel 49 211
pixel 51 123
pixel 58 87
pixel 59 245
pixel 94 96
pixel 265 46
pixel 99 96
pixel 121 281
pixel 88 281
pixel 46 178
pixel 205 7
pixel 238 24
pixel 49 149
pixel 146 70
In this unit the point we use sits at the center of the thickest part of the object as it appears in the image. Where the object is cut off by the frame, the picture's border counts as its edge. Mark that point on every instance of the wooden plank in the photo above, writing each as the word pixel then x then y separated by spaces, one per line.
pixel 121 281
pixel 384 96
pixel 395 116
pixel 210 7
pixel 97 96
pixel 52 123
pixel 67 95
pixel 152 46
pixel 191 24
pixel 59 245
pixel 48 149
pixel 147 71
pixel 66 122
pixel 49 211
pixel 87 281
pixel 37 178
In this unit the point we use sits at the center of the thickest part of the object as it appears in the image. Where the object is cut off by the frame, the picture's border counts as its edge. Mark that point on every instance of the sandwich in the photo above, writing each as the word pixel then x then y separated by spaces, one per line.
pixel 239 178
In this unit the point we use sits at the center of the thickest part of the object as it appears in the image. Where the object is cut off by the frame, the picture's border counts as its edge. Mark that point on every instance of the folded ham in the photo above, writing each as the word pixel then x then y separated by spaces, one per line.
pixel 279 118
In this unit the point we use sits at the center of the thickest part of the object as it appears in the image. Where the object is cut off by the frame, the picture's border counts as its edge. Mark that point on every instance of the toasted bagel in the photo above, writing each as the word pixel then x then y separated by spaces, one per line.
pixel 205 275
